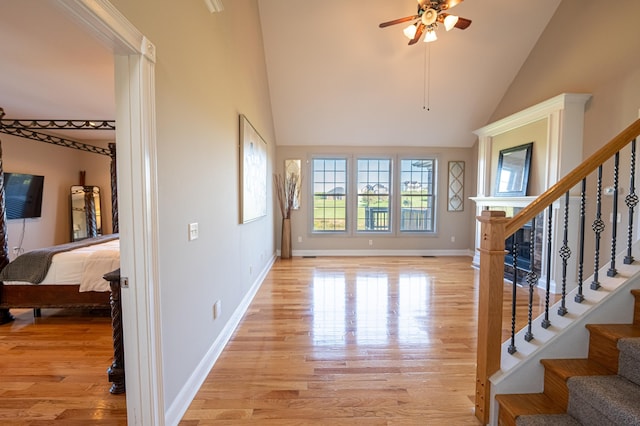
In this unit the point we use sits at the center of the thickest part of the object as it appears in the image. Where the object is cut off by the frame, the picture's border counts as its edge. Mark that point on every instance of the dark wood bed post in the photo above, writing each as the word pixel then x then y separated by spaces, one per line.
pixel 114 190
pixel 5 315
pixel 116 371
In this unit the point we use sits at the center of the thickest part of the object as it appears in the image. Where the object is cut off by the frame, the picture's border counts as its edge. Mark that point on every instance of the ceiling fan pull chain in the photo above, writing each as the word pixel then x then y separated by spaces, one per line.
pixel 426 93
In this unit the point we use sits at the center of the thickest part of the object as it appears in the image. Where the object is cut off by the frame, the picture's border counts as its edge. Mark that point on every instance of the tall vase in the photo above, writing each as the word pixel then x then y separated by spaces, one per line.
pixel 285 245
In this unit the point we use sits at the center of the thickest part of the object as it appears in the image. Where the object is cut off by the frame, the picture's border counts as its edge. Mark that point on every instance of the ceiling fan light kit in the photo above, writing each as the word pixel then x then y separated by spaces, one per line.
pixel 450 22
pixel 410 31
pixel 430 36
pixel 430 14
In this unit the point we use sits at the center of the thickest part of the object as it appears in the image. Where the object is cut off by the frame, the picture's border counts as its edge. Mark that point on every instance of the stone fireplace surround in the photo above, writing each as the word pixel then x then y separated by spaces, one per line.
pixel 564 116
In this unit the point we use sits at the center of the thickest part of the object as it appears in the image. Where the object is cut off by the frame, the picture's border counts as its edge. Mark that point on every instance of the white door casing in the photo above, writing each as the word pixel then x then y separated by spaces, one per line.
pixel 134 58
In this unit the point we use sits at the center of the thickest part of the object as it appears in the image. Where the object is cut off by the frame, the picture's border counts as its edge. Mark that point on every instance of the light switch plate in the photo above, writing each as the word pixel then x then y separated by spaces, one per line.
pixel 193 231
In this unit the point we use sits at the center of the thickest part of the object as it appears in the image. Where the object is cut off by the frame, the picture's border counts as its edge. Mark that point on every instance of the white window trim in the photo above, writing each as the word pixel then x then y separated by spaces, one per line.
pixel 352 195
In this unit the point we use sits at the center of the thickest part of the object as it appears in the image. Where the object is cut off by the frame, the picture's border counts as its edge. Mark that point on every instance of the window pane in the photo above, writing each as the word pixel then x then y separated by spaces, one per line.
pixel 329 194
pixel 374 182
pixel 417 197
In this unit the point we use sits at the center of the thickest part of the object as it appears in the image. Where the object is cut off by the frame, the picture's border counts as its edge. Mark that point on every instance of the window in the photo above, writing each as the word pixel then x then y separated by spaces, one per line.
pixel 329 194
pixel 374 183
pixel 417 197
pixel 391 195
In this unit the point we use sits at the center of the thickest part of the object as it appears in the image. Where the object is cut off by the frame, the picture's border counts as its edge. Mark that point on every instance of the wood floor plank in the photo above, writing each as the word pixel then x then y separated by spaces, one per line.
pixel 53 370
pixel 326 341
pixel 348 341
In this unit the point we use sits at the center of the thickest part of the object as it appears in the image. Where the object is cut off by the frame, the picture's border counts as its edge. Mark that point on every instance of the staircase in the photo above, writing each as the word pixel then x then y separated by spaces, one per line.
pixel 516 366
pixel 603 389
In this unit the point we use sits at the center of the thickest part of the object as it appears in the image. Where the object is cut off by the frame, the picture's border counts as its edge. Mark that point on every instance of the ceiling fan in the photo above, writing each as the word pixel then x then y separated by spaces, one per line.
pixel 430 14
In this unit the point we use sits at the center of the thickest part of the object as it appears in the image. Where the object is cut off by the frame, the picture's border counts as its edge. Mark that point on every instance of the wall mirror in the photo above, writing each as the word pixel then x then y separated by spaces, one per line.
pixel 512 176
pixel 85 212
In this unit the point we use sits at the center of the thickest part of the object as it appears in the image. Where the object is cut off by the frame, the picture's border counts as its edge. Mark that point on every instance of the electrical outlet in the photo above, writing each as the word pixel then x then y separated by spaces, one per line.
pixel 370 242
pixel 299 239
pixel 453 238
pixel 217 309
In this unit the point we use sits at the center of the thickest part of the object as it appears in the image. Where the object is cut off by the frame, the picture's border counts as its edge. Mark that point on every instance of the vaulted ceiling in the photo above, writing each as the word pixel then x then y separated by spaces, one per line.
pixel 338 79
pixel 335 78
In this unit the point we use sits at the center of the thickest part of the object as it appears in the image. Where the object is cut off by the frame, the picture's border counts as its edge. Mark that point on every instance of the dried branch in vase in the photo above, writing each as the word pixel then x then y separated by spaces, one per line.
pixel 287 190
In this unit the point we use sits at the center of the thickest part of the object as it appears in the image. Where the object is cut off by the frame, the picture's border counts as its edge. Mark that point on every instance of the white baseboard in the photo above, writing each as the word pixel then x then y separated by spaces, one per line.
pixel 184 398
pixel 428 253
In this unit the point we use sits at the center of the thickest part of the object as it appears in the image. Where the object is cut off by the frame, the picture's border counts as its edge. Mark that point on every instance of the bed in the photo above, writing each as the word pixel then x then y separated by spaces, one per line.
pixel 64 276
pixel 81 274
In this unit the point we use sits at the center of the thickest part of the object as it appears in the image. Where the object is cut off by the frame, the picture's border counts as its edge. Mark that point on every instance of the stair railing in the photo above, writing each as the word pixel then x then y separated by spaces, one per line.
pixel 495 228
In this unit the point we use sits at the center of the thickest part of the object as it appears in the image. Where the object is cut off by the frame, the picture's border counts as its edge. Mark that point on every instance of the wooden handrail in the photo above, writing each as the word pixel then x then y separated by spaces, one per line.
pixel 572 178
pixel 495 229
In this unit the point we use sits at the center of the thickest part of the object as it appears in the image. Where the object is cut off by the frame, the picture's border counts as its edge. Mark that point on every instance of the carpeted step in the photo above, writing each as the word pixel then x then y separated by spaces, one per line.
pixel 512 406
pixel 547 420
pixel 603 339
pixel 629 362
pixel 604 400
pixel 557 371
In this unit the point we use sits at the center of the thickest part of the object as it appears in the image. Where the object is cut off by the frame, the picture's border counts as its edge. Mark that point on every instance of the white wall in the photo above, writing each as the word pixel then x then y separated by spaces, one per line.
pixel 210 68
pixel 60 167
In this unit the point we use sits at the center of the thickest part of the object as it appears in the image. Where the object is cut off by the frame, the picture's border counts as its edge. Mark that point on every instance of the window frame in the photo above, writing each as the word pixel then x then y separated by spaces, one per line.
pixel 391 188
pixel 434 195
pixel 311 192
pixel 351 201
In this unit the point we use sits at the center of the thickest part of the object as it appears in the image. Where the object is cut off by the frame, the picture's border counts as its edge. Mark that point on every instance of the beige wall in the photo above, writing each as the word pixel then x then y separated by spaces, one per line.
pixel 60 167
pixel 449 224
pixel 210 68
pixel 535 132
pixel 584 50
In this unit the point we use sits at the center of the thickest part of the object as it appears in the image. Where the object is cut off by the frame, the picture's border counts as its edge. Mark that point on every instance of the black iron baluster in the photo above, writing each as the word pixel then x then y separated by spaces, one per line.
pixel 612 272
pixel 583 201
pixel 631 200
pixel 546 322
pixel 565 254
pixel 532 280
pixel 514 250
pixel 598 228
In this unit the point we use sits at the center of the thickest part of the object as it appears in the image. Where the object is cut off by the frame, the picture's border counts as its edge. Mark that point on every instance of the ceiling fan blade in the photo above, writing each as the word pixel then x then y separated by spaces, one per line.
pixel 462 23
pixel 419 32
pixel 399 21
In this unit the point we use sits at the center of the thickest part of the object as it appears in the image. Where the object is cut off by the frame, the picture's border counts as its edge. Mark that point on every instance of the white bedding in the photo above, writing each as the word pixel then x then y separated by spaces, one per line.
pixel 85 266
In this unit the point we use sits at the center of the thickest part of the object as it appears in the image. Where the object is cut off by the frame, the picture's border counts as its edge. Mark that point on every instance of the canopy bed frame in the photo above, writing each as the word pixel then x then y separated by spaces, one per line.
pixel 38 296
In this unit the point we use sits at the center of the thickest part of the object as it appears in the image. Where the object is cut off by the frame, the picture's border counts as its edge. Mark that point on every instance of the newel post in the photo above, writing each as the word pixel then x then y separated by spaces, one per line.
pixel 492 232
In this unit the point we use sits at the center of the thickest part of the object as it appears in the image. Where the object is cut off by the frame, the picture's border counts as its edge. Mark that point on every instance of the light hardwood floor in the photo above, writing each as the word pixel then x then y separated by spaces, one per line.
pixel 333 341
pixel 327 341
pixel 53 369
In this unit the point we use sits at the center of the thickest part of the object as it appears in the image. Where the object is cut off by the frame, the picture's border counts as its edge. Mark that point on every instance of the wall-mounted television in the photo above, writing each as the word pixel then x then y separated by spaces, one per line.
pixel 23 195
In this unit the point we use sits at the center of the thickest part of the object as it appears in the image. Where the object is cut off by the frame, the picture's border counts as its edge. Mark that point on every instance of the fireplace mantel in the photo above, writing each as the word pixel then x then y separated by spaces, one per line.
pixel 502 201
